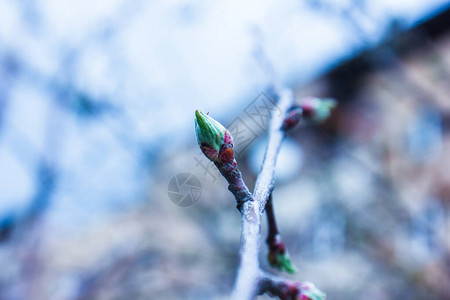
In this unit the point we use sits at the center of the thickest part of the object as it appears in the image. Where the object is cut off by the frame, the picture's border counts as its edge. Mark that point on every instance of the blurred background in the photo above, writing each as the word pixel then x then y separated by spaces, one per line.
pixel 104 193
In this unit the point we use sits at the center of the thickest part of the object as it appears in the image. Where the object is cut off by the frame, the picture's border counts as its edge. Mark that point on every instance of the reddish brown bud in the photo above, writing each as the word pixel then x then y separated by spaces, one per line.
pixel 292 118
pixel 226 154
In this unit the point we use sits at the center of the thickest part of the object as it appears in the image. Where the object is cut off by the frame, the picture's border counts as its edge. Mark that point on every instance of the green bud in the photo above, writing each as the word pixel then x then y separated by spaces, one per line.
pixel 323 108
pixel 279 258
pixel 214 140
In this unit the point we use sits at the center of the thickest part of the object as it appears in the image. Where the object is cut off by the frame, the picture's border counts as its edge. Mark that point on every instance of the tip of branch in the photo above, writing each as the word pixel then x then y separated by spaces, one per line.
pixel 316 109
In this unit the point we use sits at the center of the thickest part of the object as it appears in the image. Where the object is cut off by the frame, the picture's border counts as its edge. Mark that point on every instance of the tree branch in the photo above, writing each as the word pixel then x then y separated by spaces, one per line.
pixel 216 143
pixel 248 271
pixel 265 183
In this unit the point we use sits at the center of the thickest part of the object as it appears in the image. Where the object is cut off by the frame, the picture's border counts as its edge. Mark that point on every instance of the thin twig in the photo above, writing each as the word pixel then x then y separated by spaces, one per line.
pixel 236 184
pixel 272 223
pixel 278 256
pixel 264 183
pixel 248 271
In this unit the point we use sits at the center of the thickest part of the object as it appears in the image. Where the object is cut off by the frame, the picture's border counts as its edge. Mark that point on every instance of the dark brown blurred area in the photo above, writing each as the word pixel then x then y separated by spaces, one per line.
pixel 388 141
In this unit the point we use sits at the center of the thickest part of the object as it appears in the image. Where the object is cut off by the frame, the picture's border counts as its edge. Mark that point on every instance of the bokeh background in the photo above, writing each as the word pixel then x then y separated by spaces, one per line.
pixel 97 102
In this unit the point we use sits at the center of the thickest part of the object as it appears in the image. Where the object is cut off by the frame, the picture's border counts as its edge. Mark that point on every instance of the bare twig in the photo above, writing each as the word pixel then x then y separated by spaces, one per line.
pixel 272 223
pixel 264 183
pixel 248 271
pixel 278 256
pixel 236 184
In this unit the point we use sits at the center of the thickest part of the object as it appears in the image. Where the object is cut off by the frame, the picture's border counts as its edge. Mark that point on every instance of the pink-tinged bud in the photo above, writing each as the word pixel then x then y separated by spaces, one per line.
pixel 310 292
pixel 292 118
pixel 293 290
pixel 318 109
pixel 214 140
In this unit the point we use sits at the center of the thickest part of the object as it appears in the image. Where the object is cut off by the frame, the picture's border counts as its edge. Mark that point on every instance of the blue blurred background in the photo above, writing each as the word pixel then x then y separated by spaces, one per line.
pixel 97 101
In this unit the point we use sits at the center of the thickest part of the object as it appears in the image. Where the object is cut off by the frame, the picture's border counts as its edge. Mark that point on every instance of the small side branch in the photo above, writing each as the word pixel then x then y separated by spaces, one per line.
pixel 273 232
pixel 278 256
